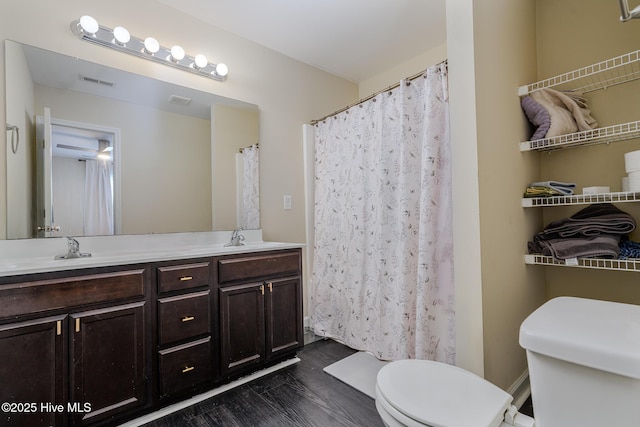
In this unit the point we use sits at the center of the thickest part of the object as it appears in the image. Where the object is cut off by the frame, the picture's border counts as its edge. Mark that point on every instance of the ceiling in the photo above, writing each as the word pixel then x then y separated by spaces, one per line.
pixel 354 39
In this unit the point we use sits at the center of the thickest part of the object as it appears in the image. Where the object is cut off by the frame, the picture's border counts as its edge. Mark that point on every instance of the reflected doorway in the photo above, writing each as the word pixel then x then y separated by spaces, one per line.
pixel 77 181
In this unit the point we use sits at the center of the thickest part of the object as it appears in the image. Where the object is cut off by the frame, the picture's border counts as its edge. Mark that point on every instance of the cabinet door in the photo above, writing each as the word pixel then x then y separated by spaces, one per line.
pixel 283 316
pixel 242 332
pixel 108 362
pixel 32 371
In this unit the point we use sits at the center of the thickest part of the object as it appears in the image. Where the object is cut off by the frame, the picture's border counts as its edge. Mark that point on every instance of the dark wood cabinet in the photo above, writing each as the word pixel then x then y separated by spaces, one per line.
pixel 73 344
pixel 108 362
pixel 33 371
pixel 283 316
pixel 185 356
pixel 260 309
pixel 242 327
pixel 185 367
pixel 100 346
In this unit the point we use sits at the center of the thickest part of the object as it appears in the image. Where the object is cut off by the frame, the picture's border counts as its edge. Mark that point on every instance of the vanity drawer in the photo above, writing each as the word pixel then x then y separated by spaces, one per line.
pixel 184 276
pixel 67 292
pixel 183 316
pixel 244 268
pixel 185 366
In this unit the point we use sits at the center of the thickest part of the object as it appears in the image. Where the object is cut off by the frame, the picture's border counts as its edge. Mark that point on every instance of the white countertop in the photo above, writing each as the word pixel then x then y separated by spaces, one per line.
pixel 38 255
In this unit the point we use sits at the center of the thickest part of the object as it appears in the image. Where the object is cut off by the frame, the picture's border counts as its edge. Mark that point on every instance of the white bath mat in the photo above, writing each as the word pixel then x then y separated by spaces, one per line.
pixel 359 371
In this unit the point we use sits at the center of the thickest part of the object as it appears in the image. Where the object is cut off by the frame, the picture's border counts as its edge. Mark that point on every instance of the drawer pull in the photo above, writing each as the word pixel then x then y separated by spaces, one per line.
pixel 185 278
pixel 187 369
pixel 59 327
pixel 77 324
pixel 188 318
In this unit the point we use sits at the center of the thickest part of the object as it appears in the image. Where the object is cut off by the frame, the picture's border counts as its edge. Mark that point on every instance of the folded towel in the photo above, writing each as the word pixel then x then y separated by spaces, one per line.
pixel 600 246
pixel 541 192
pixel 564 188
pixel 593 220
pixel 567 113
pixel 595 231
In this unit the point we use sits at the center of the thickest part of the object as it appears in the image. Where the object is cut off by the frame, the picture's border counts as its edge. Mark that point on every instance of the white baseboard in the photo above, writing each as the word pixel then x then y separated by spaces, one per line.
pixel 520 389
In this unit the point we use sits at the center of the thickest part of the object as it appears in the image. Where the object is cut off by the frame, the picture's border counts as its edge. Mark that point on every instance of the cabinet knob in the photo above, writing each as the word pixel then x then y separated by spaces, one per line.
pixel 188 318
pixel 187 369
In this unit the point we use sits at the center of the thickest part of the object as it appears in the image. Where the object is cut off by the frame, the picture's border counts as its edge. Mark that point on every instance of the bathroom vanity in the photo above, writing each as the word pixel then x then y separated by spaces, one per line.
pixel 105 339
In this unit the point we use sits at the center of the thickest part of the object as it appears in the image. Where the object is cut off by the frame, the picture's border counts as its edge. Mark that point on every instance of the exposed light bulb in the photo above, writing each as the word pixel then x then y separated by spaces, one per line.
pixel 201 61
pixel 177 53
pixel 89 24
pixel 151 45
pixel 222 70
pixel 121 35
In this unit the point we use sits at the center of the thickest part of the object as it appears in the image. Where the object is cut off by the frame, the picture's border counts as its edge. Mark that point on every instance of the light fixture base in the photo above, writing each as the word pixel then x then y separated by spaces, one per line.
pixel 104 37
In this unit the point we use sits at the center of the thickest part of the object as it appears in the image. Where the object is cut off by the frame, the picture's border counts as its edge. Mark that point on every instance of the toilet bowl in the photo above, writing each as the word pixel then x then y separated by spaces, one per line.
pixel 584 368
pixel 426 393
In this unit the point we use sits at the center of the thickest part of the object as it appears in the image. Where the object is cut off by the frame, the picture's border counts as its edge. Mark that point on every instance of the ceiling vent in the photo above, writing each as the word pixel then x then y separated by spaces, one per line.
pixel 97 81
pixel 179 100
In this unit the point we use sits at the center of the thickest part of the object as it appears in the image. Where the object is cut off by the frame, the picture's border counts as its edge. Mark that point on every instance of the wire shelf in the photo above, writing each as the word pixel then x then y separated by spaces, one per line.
pixel 630 264
pixel 581 199
pixel 603 135
pixel 614 71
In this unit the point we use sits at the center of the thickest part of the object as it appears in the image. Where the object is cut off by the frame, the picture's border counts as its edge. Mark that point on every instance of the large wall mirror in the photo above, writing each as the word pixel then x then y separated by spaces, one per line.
pixel 92 150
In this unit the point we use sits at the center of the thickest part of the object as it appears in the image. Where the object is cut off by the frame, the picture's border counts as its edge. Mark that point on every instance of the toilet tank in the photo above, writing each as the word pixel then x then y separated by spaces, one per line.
pixel 584 363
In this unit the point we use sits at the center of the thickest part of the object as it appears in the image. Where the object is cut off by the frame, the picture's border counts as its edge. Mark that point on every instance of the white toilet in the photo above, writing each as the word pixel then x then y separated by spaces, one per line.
pixel 584 369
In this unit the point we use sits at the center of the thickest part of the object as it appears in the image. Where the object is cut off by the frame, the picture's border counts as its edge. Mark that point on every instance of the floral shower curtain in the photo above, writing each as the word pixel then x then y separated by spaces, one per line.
pixel 250 211
pixel 383 249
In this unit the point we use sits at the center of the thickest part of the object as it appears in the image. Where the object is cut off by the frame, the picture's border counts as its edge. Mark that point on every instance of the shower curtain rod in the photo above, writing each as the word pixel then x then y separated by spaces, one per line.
pixel 257 145
pixel 413 77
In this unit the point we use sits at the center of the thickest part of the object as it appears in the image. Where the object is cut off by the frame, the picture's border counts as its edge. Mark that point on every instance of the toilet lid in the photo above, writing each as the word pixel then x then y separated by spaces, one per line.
pixel 441 395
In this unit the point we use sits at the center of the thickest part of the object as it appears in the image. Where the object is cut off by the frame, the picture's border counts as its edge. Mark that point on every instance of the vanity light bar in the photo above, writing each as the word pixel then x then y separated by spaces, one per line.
pixel 87 29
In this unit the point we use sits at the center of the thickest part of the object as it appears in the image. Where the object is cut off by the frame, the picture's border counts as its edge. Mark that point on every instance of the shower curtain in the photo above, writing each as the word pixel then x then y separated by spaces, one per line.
pixel 250 211
pixel 98 198
pixel 383 248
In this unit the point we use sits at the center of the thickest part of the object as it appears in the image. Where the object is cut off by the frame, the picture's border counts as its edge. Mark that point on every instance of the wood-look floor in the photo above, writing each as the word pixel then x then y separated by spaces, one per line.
pixel 299 395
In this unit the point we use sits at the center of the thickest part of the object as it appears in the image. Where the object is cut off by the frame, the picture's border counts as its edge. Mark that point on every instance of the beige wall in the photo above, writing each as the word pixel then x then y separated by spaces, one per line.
pixel 573 34
pixel 288 92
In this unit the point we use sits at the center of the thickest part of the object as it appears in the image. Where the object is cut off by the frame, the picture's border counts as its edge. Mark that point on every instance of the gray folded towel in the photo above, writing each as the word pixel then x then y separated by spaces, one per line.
pixel 594 231
pixel 596 219
pixel 600 246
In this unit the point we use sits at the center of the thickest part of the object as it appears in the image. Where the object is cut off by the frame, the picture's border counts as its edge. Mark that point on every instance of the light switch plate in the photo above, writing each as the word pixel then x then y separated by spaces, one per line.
pixel 287 202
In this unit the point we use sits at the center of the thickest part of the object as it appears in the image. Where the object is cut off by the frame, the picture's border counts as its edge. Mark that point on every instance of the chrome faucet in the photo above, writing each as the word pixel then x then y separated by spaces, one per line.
pixel 236 238
pixel 73 250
